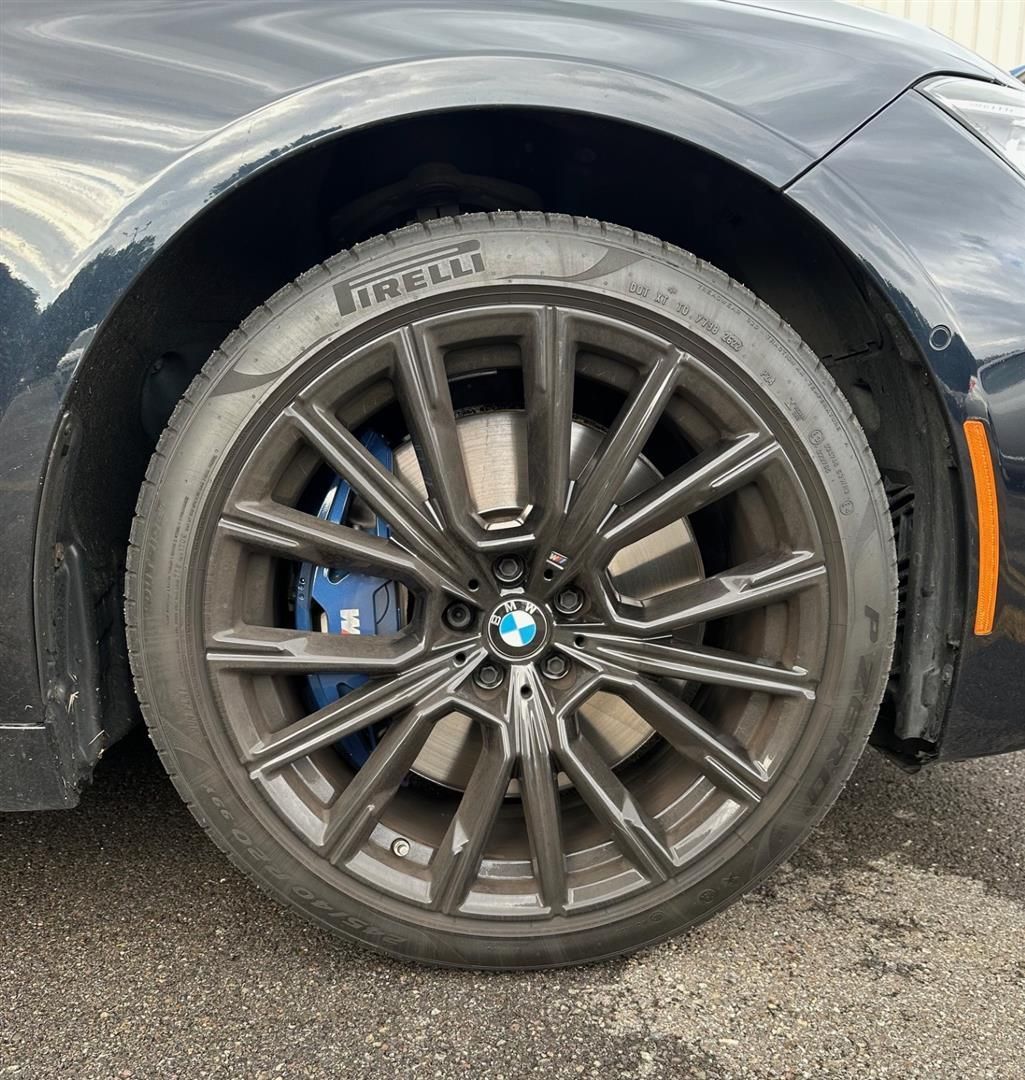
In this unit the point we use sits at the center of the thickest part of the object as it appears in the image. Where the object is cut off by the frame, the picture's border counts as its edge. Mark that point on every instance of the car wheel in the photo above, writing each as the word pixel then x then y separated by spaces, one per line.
pixel 511 591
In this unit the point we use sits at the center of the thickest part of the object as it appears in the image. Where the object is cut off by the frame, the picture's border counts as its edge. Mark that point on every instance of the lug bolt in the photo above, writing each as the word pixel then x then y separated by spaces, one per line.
pixel 400 847
pixel 569 601
pixel 488 676
pixel 458 616
pixel 508 569
pixel 555 666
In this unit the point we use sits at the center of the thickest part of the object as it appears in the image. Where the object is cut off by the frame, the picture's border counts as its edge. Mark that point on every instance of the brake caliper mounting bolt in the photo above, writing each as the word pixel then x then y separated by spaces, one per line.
pixel 569 601
pixel 488 676
pixel 400 847
pixel 555 666
pixel 508 569
pixel 458 616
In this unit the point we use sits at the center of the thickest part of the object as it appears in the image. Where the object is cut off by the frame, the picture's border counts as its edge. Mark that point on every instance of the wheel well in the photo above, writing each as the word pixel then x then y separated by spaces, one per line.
pixel 297 212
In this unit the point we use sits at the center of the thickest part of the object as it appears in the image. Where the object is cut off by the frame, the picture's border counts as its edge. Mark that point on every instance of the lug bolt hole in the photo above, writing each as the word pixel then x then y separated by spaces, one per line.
pixel 555 666
pixel 549 574
pixel 526 692
pixel 569 601
pixel 473 584
pixel 508 569
pixel 488 676
pixel 460 658
pixel 458 616
pixel 579 641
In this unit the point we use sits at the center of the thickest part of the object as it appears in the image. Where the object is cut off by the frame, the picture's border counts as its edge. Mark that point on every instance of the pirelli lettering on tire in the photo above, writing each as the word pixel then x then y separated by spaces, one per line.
pixel 406 276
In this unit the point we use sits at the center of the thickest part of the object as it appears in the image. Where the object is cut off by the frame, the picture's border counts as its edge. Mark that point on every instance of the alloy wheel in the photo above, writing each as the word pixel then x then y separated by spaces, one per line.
pixel 612 568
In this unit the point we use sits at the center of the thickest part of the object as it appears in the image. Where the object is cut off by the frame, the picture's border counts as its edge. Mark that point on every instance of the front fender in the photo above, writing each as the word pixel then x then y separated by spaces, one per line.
pixel 938 221
pixel 320 113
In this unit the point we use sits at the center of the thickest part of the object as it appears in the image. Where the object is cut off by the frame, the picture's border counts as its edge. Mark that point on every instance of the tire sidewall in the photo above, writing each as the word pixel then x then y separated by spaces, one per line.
pixel 272 350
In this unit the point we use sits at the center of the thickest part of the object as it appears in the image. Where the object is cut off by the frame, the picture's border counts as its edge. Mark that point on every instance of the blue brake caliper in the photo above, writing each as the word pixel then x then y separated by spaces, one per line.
pixel 351 603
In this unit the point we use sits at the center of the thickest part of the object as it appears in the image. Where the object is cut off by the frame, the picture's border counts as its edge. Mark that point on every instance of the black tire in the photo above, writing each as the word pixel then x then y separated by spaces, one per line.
pixel 827 472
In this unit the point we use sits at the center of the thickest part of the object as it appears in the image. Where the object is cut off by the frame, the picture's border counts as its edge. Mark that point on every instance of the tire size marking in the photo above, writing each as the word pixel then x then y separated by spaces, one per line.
pixel 704 322
pixel 830 464
pixel 826 456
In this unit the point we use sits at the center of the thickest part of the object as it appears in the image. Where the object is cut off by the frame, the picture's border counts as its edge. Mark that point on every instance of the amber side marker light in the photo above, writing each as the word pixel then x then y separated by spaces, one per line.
pixel 989 526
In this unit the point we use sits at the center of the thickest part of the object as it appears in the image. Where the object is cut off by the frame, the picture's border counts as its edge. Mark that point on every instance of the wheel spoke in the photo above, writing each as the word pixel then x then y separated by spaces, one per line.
pixel 548 397
pixel 696 663
pixel 422 382
pixel 638 836
pixel 370 704
pixel 713 474
pixel 291 534
pixel 457 861
pixel 380 488
pixel 690 735
pixel 354 813
pixel 541 807
pixel 752 585
pixel 603 476
pixel 280 651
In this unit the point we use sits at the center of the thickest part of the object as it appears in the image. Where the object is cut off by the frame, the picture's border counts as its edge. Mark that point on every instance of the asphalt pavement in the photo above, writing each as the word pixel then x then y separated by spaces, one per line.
pixel 891 945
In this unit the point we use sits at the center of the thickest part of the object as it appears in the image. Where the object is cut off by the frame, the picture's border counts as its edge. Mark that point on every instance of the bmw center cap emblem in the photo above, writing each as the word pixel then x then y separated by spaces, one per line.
pixel 517 628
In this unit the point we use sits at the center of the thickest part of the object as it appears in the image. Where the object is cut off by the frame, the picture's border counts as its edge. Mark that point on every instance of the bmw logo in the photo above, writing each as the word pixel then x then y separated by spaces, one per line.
pixel 517 628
